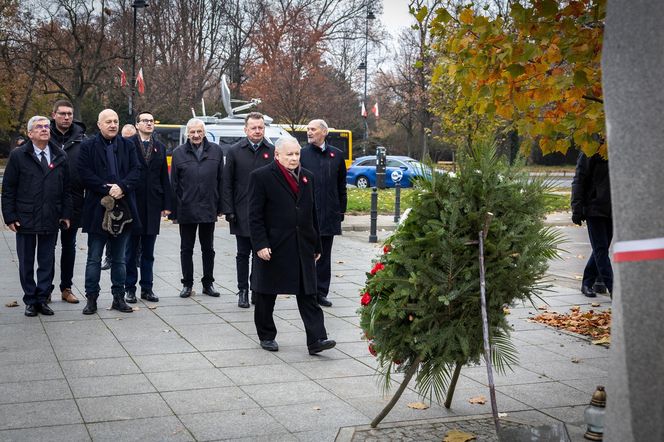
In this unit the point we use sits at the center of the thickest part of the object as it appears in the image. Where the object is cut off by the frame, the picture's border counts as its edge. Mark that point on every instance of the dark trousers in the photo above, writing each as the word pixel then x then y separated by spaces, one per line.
pixel 324 266
pixel 310 312
pixel 598 268
pixel 187 241
pixel 242 261
pixel 67 256
pixel 44 245
pixel 144 244
pixel 118 247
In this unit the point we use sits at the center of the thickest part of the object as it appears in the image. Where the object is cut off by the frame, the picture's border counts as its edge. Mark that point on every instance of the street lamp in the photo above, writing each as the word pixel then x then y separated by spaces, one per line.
pixel 136 4
pixel 364 66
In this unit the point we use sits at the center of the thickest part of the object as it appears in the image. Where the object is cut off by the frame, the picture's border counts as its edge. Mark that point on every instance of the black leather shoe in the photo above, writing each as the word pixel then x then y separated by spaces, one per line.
pixel 120 305
pixel 253 298
pixel 44 309
pixel 91 305
pixel 587 291
pixel 599 288
pixel 210 291
pixel 320 345
pixel 106 264
pixel 185 292
pixel 270 345
pixel 243 298
pixel 149 295
pixel 31 310
pixel 130 296
pixel 322 300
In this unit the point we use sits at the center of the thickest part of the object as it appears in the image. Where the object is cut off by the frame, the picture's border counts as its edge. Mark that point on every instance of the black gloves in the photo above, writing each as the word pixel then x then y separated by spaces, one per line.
pixel 577 218
pixel 230 217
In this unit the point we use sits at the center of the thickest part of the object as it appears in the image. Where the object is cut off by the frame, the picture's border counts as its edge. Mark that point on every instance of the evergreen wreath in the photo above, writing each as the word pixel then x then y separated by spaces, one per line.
pixel 420 307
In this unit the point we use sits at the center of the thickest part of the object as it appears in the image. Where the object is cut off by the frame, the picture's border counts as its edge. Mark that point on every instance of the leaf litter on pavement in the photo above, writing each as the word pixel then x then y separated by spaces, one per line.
pixel 593 323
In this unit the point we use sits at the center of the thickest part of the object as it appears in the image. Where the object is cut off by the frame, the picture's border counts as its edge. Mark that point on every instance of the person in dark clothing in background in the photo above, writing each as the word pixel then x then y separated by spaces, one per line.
pixel 196 177
pixel 242 158
pixel 329 168
pixel 36 201
pixel 591 202
pixel 153 200
pixel 68 134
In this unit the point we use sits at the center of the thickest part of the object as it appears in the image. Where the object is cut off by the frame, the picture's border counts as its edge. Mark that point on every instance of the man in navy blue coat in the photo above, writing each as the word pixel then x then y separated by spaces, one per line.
pixel 36 201
pixel 108 166
pixel 153 200
pixel 327 164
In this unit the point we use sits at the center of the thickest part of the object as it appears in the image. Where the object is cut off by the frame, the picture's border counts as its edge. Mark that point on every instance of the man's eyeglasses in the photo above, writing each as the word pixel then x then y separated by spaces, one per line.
pixel 41 127
pixel 146 121
pixel 64 114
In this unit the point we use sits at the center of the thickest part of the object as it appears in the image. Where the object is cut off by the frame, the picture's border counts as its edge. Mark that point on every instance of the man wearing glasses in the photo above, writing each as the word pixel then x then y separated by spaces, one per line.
pixel 153 200
pixel 36 201
pixel 68 134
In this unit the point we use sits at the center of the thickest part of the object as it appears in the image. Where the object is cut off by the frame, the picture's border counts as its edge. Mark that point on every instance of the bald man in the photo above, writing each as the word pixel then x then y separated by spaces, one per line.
pixel 108 166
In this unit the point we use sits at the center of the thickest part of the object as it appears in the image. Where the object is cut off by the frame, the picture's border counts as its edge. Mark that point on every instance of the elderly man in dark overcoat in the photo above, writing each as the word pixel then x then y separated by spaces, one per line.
pixel 108 166
pixel 327 164
pixel 196 176
pixel 36 201
pixel 153 200
pixel 285 238
pixel 242 158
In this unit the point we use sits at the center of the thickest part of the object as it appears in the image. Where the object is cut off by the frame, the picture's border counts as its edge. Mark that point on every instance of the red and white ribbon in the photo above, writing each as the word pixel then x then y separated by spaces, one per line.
pixel 639 250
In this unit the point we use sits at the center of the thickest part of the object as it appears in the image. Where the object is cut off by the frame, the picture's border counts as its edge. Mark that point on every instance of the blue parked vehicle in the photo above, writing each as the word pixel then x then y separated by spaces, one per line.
pixel 362 173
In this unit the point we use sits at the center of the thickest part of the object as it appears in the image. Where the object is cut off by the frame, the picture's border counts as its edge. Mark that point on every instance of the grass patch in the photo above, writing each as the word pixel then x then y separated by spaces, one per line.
pixel 359 201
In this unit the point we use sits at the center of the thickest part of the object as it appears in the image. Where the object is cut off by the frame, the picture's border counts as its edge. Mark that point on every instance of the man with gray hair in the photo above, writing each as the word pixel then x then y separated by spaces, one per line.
pixel 329 168
pixel 196 178
pixel 36 202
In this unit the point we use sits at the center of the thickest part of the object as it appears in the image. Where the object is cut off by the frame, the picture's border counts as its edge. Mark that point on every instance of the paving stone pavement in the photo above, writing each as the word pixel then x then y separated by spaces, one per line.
pixel 191 369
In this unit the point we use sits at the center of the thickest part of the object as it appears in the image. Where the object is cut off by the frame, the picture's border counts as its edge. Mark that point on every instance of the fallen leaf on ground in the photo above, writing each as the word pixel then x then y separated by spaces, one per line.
pixel 543 307
pixel 417 405
pixel 506 311
pixel 605 340
pixel 339 275
pixel 502 414
pixel 576 360
pixel 316 407
pixel 341 262
pixel 578 277
pixel 135 309
pixel 458 436
pixel 13 303
pixel 580 256
pixel 166 331
pixel 592 323
pixel 595 304
pixel 152 307
pixel 478 399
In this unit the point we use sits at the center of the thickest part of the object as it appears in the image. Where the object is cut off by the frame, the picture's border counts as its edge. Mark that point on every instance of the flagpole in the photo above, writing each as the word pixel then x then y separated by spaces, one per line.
pixel 132 83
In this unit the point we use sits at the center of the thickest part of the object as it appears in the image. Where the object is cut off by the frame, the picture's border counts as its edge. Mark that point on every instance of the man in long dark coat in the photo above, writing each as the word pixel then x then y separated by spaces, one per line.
pixel 284 236
pixel 242 158
pixel 196 176
pixel 35 202
pixel 327 164
pixel 153 200
pixel 107 166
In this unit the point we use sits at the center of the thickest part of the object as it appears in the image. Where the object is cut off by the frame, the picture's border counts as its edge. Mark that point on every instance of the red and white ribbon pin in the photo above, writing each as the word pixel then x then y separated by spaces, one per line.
pixel 639 250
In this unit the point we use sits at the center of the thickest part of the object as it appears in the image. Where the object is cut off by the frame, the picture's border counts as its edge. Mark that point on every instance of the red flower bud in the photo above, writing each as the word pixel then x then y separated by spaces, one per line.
pixel 397 361
pixel 372 349
pixel 366 299
pixel 378 267
pixel 387 249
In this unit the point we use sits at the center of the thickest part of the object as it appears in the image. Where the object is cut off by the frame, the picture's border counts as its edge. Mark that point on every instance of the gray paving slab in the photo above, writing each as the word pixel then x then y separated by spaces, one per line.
pixel 305 416
pixel 208 400
pixel 110 385
pixel 133 406
pixel 35 371
pixel 232 424
pixel 58 433
pixel 172 362
pixel 263 374
pixel 167 428
pixel 287 393
pixel 99 367
pixel 189 379
pixel 34 391
pixel 241 357
pixel 39 414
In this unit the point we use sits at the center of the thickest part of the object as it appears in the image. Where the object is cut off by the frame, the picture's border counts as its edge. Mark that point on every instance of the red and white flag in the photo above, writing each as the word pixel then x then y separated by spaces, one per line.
pixel 364 111
pixel 140 82
pixel 123 77
pixel 374 110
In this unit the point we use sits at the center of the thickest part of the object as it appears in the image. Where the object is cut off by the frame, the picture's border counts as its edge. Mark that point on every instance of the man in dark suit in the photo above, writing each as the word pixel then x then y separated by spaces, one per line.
pixel 36 201
pixel 153 200
pixel 243 158
pixel 196 176
pixel 329 168
pixel 68 134
pixel 284 236
pixel 108 166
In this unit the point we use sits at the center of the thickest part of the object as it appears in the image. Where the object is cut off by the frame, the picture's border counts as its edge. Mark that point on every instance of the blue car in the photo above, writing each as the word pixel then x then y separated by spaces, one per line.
pixel 362 173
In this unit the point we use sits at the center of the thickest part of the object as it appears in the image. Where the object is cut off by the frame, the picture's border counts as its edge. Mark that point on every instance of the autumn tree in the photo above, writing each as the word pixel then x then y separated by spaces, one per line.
pixel 535 69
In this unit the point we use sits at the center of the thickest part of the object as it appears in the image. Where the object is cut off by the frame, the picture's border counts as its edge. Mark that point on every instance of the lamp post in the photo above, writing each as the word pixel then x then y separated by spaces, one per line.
pixel 364 66
pixel 136 4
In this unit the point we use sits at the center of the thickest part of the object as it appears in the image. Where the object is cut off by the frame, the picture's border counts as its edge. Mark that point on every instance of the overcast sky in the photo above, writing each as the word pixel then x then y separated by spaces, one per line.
pixel 395 16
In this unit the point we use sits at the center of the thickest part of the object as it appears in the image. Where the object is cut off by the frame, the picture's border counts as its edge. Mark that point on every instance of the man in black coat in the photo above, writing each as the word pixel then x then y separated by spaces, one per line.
pixel 108 166
pixel 68 134
pixel 591 202
pixel 153 200
pixel 242 158
pixel 36 201
pixel 329 168
pixel 284 236
pixel 196 177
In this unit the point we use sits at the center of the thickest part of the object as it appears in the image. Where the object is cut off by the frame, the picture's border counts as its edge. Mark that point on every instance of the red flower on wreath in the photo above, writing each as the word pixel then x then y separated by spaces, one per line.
pixel 372 349
pixel 377 268
pixel 366 299
pixel 387 249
